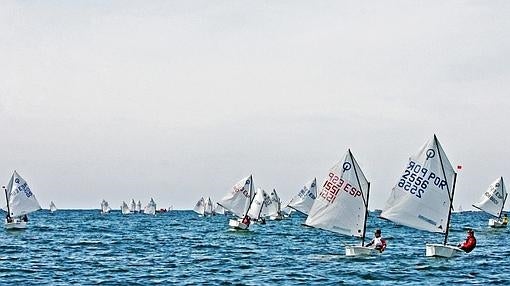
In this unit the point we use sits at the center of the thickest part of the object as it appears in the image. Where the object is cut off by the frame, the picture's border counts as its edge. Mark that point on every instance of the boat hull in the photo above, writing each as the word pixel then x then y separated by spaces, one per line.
pixel 17 225
pixel 441 250
pixel 358 250
pixel 495 223
pixel 237 224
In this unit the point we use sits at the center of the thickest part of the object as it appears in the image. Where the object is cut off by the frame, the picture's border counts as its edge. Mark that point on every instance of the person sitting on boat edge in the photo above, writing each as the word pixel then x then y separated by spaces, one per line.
pixel 246 220
pixel 470 242
pixel 505 220
pixel 8 218
pixel 24 218
pixel 378 242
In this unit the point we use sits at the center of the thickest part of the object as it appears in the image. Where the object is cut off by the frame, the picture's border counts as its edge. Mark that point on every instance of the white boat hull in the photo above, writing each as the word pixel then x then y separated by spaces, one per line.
pixel 16 225
pixel 358 250
pixel 237 224
pixel 441 250
pixel 495 223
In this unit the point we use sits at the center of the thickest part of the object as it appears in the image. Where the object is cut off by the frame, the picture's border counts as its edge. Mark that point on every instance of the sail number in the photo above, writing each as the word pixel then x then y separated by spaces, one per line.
pixel 334 185
pixel 416 179
pixel 246 193
pixel 23 188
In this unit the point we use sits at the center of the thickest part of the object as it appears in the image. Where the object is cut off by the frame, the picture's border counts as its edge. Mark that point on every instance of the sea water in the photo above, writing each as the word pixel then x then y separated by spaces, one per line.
pixel 179 247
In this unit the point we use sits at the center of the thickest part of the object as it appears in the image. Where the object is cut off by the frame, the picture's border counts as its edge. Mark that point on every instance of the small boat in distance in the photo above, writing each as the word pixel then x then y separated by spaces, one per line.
pixel 200 207
pixel 423 196
pixel 150 208
pixel 124 208
pixel 304 200
pixel 53 208
pixel 139 207
pixel 105 207
pixel 20 202
pixel 132 208
pixel 493 201
pixel 238 202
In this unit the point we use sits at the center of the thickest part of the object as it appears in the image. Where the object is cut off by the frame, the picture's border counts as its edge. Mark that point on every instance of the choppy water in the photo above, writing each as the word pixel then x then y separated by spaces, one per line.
pixel 85 247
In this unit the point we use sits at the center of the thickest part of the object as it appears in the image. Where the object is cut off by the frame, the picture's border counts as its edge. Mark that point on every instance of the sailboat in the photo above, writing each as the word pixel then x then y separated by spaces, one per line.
pixel 139 207
pixel 133 206
pixel 124 208
pixel 219 210
pixel 423 196
pixel 53 208
pixel 105 207
pixel 493 201
pixel 342 204
pixel 238 201
pixel 208 210
pixel 150 208
pixel 274 211
pixel 200 207
pixel 257 206
pixel 303 201
pixel 20 202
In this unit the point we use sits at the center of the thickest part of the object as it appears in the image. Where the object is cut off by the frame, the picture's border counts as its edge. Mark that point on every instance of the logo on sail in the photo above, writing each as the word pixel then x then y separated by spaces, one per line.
pixel 430 153
pixel 346 166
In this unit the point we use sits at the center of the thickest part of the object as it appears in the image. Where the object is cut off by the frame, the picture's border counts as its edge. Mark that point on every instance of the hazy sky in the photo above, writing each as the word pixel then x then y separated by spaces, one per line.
pixel 181 99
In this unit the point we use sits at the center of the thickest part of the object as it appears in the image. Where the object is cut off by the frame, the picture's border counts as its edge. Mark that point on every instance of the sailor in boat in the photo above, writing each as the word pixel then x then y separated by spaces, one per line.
pixel 8 218
pixel 505 220
pixel 470 242
pixel 377 242
pixel 24 218
pixel 246 220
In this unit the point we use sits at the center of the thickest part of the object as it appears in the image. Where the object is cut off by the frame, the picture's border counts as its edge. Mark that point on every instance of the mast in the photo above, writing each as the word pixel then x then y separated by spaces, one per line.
pixel 365 201
pixel 252 198
pixel 7 199
pixel 504 200
pixel 447 188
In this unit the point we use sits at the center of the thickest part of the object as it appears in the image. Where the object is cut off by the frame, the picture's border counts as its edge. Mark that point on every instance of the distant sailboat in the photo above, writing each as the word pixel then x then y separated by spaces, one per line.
pixel 150 208
pixel 423 196
pixel 20 202
pixel 200 207
pixel 53 208
pixel 238 201
pixel 304 200
pixel 342 205
pixel 219 210
pixel 124 208
pixel 208 207
pixel 257 206
pixel 273 208
pixel 133 206
pixel 493 201
pixel 139 207
pixel 105 207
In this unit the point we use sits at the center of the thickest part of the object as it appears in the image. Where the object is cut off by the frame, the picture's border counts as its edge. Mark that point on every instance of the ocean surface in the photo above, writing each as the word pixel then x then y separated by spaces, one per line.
pixel 86 247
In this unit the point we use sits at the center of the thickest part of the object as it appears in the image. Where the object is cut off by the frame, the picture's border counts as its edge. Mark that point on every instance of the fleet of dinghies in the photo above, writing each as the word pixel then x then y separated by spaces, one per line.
pixel 421 199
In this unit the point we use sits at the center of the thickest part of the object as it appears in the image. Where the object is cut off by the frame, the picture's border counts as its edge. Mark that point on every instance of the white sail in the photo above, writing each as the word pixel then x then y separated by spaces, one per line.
pixel 208 207
pixel 303 201
pixel 272 205
pixel 423 195
pixel 150 208
pixel 21 200
pixel 53 207
pixel 342 203
pixel 105 208
pixel 133 206
pixel 139 207
pixel 257 204
pixel 219 210
pixel 239 197
pixel 200 207
pixel 124 208
pixel 493 200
